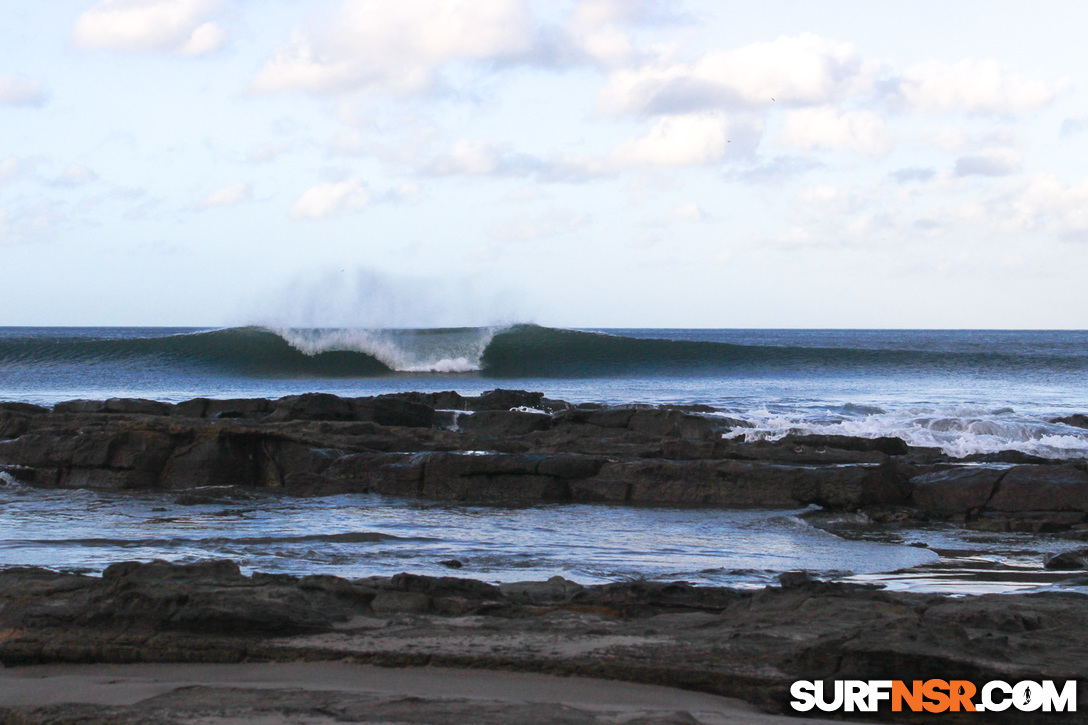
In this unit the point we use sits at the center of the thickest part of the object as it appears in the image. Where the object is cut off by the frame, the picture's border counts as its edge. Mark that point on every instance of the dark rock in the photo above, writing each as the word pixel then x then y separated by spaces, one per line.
pixel 611 417
pixel 288 457
pixel 451 563
pixel 392 411
pixel 311 406
pixel 223 409
pixel 504 422
pixel 22 474
pixel 13 424
pixel 137 406
pixel 194 408
pixel 886 445
pixel 222 459
pixel 1035 522
pixel 500 399
pixel 159 570
pixel 553 591
pixel 390 601
pixel 957 490
pixel 790 579
pixel 853 487
pixel 1077 420
pixel 693 408
pixel 713 483
pixel 494 488
pixel 445 586
pixel 238 408
pixel 40 450
pixel 1067 560
pixel 450 465
pixel 80 406
pixel 446 419
pixel 570 466
pixel 400 476
pixel 1041 488
pixel 123 406
pixel 23 408
pixel 680 449
pixel 1014 457
pixel 671 424
pixel 142 450
pixel 554 406
pixel 598 490
pixel 444 400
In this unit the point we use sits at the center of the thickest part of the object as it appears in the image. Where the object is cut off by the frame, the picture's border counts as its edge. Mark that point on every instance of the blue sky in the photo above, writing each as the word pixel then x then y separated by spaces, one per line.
pixel 596 163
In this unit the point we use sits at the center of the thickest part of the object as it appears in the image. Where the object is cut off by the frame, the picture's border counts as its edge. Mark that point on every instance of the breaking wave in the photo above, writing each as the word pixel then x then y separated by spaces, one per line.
pixel 957 430
pixel 512 351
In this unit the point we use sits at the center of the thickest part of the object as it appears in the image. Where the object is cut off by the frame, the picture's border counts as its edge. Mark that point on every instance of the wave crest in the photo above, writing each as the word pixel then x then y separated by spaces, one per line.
pixel 456 350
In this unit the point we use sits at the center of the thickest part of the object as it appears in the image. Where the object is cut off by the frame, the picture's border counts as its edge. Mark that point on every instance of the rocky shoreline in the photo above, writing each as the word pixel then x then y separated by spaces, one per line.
pixel 514 446
pixel 517 447
pixel 744 644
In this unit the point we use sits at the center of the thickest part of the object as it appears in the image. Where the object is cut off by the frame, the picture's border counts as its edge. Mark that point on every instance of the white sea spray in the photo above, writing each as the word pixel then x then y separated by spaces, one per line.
pixel 958 430
pixel 457 350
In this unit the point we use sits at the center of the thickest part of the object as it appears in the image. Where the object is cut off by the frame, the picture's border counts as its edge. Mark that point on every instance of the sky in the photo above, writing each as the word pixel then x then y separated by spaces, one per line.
pixel 588 163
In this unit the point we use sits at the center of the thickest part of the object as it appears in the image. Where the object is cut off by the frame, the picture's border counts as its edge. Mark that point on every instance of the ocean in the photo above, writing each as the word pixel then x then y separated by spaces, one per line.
pixel 963 391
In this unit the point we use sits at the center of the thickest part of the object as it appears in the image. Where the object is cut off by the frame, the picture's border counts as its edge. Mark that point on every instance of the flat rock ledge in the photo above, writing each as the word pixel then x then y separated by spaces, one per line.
pixel 511 446
pixel 744 644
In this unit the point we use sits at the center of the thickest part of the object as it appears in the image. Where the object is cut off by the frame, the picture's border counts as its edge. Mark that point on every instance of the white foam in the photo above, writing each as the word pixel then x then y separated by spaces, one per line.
pixel 9 481
pixel 957 430
pixel 409 351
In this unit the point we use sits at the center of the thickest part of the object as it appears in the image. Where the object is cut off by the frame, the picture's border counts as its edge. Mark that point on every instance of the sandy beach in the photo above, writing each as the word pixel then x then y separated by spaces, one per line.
pixel 329 692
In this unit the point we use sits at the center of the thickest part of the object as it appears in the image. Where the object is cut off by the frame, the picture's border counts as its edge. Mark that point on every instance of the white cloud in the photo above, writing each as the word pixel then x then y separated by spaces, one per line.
pixel 226 196
pixel 330 198
pixel 75 175
pixel 10 168
pixel 266 153
pixel 946 138
pixel 860 132
pixel 29 222
pixel 912 174
pixel 1074 125
pixel 472 157
pixel 21 92
pixel 597 30
pixel 175 26
pixel 548 225
pixel 205 39
pixel 973 86
pixel 802 70
pixel 690 212
pixel 404 191
pixel 998 161
pixel 1042 202
pixel 371 44
pixel 827 197
pixel 688 140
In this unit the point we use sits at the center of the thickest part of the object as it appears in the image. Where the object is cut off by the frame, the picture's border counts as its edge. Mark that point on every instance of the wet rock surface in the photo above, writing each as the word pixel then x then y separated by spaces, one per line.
pixel 515 446
pixel 746 644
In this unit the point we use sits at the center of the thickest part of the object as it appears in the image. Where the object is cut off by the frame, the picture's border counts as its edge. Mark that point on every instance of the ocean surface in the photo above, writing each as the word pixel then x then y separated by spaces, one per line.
pixel 964 391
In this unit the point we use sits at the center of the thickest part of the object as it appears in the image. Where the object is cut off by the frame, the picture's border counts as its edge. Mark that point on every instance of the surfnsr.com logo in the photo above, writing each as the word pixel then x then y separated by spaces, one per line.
pixel 934 696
